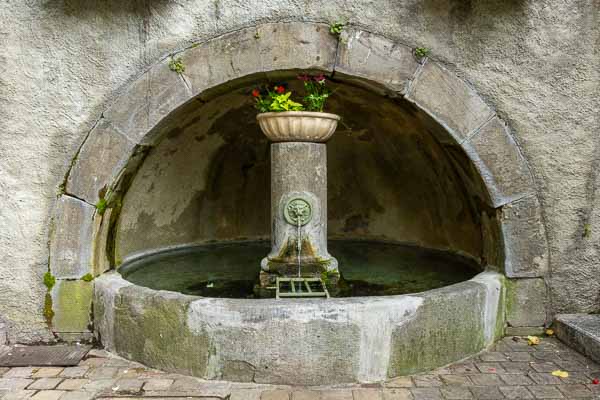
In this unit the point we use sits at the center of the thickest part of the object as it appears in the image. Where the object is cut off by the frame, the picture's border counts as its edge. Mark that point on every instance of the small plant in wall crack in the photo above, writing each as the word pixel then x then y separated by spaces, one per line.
pixel 101 206
pixel 49 280
pixel 587 230
pixel 87 277
pixel 336 28
pixel 176 65
pixel 422 52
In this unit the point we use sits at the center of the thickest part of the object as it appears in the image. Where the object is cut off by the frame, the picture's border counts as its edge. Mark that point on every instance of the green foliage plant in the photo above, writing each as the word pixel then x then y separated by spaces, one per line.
pixel 49 280
pixel 87 277
pixel 336 28
pixel 278 99
pixel 422 52
pixel 176 65
pixel 101 206
pixel 316 92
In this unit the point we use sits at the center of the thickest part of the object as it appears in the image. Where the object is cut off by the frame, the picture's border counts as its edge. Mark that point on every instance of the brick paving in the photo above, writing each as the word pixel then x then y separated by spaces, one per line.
pixel 510 370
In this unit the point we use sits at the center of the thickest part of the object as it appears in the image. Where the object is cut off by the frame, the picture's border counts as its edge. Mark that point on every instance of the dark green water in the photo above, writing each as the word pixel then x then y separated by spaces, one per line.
pixel 231 270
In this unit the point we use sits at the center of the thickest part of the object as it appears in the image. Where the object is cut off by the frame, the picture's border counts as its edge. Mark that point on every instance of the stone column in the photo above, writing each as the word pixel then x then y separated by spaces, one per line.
pixel 298 194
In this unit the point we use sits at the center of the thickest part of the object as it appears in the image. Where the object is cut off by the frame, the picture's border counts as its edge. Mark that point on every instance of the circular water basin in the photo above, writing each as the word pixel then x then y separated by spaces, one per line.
pixel 230 270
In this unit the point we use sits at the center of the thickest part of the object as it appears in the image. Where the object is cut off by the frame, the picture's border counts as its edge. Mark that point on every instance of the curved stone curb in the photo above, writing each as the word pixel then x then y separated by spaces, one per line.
pixel 310 342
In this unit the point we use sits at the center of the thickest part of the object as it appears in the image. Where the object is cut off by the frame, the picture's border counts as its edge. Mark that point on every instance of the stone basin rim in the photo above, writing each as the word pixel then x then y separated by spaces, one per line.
pixel 366 339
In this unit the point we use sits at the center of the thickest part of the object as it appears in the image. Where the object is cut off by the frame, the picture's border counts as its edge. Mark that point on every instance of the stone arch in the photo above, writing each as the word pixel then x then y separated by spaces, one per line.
pixel 117 143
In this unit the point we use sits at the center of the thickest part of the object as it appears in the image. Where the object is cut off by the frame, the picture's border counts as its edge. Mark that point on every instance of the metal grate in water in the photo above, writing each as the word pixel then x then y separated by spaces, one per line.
pixel 26 356
pixel 301 288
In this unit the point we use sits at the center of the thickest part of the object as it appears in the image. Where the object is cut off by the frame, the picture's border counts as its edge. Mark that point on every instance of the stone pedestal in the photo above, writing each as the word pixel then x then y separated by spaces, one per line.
pixel 298 213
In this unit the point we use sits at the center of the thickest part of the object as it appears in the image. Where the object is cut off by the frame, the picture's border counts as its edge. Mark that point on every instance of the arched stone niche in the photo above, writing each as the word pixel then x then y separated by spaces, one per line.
pixel 114 151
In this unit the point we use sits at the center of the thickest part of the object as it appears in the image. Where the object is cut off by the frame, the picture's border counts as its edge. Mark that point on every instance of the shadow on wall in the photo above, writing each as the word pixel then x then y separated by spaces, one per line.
pixel 393 175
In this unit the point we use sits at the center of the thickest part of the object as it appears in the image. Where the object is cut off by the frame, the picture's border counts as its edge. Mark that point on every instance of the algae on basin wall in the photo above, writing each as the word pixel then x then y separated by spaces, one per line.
pixel 420 344
pixel 152 329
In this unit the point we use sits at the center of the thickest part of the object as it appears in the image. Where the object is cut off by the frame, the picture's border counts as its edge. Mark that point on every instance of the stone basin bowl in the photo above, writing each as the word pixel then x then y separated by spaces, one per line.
pixel 298 341
pixel 298 126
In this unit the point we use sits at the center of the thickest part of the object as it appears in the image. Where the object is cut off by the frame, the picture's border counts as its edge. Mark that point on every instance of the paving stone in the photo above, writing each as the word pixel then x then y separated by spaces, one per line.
pixel 19 395
pixel 275 395
pixel 516 367
pixel 393 394
pixel 575 391
pixel 93 362
pixel 45 384
pixel 74 372
pixel 158 384
pixel 103 373
pixel 456 393
pixel 427 380
pixel 129 385
pixel 458 380
pixel 493 356
pixel 486 392
pixel 544 366
pixel 366 394
pixel 486 380
pixel 99 384
pixel 247 394
pixel 306 395
pixel 516 379
pixel 463 368
pixel 20 372
pixel 341 394
pixel 519 356
pixel 14 383
pixel 48 395
pixel 546 356
pixel 426 393
pixel 78 395
pixel 400 382
pixel 545 392
pixel 490 367
pixel 572 365
pixel 544 378
pixel 47 372
pixel 515 392
pixel 73 384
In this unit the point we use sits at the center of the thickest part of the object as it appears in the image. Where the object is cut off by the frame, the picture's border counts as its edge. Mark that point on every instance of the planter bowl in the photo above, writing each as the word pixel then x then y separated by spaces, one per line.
pixel 298 126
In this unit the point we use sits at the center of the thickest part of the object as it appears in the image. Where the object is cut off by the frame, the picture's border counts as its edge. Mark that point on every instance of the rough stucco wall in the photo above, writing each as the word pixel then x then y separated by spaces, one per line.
pixel 388 178
pixel 62 61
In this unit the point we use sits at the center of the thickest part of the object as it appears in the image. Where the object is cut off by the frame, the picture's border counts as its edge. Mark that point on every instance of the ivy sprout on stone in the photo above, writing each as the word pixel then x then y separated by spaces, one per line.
pixel 176 65
pixel 101 206
pixel 422 52
pixel 336 28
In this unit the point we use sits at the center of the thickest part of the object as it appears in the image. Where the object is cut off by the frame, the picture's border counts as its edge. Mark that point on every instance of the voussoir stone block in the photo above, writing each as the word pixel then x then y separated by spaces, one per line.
pixel 363 54
pixel 147 101
pixel 525 245
pixel 450 100
pixel 71 242
pixel 500 163
pixel 100 159
pixel 251 51
pixel 526 302
pixel 72 305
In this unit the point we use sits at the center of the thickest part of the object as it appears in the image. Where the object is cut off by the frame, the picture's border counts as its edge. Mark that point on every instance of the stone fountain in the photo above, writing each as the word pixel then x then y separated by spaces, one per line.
pixel 298 197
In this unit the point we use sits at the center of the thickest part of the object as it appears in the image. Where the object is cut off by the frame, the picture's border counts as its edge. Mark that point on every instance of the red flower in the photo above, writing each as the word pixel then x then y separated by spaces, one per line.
pixel 304 78
pixel 595 381
pixel 256 93
pixel 319 78
pixel 279 89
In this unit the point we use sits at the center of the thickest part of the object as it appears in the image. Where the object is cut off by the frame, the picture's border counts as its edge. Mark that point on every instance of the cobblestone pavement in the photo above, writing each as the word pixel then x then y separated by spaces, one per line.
pixel 510 370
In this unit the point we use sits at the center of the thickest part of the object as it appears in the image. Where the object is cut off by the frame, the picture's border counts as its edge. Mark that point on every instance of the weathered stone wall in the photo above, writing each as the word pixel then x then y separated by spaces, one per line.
pixel 64 62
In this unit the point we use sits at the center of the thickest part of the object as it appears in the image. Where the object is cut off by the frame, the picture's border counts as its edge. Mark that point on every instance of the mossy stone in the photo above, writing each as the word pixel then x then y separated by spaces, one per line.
pixel 72 303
